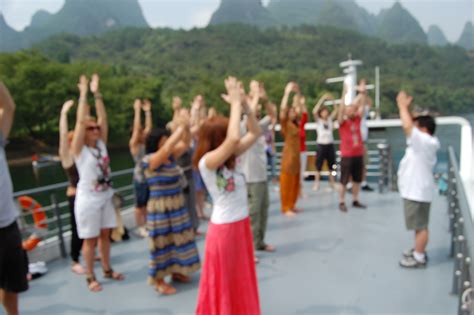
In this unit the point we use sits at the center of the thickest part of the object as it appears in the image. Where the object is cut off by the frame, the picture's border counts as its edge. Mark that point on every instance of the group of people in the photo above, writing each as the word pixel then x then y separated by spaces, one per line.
pixel 198 154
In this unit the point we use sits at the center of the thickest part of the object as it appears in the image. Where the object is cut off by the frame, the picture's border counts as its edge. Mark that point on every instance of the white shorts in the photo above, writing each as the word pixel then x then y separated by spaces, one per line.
pixel 93 213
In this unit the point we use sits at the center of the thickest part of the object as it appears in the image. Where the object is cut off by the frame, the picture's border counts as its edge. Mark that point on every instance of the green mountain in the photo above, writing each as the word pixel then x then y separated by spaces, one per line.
pixel 436 36
pixel 80 17
pixel 467 37
pixel 397 25
pixel 242 11
pixel 158 64
pixel 10 39
pixel 295 12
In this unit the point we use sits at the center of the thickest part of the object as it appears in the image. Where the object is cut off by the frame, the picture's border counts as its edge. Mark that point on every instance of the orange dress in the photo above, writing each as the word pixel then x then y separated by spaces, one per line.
pixel 290 165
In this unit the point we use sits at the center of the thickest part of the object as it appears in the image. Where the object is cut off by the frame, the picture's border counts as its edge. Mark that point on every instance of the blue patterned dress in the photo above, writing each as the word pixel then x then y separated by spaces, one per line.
pixel 171 234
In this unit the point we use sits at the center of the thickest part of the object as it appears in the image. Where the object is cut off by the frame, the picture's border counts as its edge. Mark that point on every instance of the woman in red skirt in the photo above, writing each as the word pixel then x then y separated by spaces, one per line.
pixel 228 281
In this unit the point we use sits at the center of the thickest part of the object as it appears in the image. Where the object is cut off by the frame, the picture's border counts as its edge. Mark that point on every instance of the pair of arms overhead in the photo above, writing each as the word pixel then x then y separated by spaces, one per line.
pixel 234 144
pixel 83 111
pixel 138 106
pixel 290 87
pixel 404 101
pixel 359 102
pixel 7 111
pixel 324 98
pixel 177 144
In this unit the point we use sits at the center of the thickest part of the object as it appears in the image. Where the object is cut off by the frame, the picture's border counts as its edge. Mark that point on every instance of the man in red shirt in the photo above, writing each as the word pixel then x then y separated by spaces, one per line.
pixel 352 146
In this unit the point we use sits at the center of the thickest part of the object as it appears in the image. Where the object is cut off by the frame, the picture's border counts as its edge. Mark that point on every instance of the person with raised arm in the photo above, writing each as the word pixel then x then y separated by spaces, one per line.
pixel 290 160
pixel 137 150
pixel 185 162
pixel 67 162
pixel 13 259
pixel 299 104
pixel 198 116
pixel 254 166
pixel 94 210
pixel 324 120
pixel 228 282
pixel 173 251
pixel 415 178
pixel 352 147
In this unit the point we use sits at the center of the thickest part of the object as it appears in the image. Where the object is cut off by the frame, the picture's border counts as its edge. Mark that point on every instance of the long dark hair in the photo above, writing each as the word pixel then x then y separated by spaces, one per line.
pixel 153 139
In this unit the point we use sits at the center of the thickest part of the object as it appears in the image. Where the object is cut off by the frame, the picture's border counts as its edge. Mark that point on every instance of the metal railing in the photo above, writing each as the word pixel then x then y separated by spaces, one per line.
pixel 57 209
pixel 462 238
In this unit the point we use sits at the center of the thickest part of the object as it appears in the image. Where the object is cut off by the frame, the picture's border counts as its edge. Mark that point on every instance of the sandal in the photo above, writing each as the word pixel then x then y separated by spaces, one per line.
pixel 181 278
pixel 93 284
pixel 111 274
pixel 267 248
pixel 165 289
pixel 77 268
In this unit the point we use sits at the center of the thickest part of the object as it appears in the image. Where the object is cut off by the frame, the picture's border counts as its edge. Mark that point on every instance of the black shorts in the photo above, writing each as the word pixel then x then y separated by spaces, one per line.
pixel 142 194
pixel 13 260
pixel 325 152
pixel 352 167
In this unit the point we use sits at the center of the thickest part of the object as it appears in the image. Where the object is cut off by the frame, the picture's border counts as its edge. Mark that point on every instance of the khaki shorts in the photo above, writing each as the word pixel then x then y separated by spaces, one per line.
pixel 417 214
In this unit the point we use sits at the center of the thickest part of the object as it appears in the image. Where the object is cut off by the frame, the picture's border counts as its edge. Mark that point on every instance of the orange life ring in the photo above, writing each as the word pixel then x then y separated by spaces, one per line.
pixel 28 204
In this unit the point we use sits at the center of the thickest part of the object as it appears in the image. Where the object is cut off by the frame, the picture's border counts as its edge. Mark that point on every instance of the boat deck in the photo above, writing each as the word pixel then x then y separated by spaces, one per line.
pixel 327 262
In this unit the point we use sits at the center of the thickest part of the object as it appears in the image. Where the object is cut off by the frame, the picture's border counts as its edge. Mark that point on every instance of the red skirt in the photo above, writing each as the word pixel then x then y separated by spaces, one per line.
pixel 228 279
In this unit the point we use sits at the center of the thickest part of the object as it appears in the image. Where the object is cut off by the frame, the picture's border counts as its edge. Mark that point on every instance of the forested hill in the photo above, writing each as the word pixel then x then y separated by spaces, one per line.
pixel 160 63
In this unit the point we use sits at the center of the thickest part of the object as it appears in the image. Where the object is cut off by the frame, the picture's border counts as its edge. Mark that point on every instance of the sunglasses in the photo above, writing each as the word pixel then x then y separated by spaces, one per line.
pixel 92 128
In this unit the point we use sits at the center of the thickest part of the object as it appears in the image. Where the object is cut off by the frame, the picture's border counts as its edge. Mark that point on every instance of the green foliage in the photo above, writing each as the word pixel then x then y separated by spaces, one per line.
pixel 158 64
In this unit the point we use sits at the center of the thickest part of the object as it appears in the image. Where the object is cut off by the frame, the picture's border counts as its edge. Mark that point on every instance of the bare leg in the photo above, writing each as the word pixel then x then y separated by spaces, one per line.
pixel 332 181
pixel 88 251
pixel 342 193
pixel 421 240
pixel 10 302
pixel 200 200
pixel 140 216
pixel 105 248
pixel 355 191
pixel 317 179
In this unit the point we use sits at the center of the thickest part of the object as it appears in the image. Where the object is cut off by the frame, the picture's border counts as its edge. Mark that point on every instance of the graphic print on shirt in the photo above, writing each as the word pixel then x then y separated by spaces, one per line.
pixel 225 180
pixel 103 181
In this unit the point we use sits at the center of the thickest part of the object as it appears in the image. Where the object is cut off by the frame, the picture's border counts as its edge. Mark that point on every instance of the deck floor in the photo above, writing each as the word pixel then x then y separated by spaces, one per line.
pixel 326 262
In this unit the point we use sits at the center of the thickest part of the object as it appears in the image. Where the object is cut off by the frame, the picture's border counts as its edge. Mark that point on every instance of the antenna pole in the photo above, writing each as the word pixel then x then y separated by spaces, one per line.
pixel 377 92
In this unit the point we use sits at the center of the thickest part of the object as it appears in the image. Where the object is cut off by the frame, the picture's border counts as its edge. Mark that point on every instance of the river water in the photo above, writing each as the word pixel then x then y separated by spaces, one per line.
pixel 25 178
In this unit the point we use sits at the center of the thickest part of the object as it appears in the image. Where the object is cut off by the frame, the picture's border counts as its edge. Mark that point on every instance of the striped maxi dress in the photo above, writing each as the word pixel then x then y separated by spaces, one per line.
pixel 171 235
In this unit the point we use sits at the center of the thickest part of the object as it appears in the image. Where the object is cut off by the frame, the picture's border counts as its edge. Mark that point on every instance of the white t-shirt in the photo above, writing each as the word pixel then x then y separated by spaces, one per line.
pixel 254 161
pixel 324 130
pixel 228 191
pixel 415 173
pixel 93 168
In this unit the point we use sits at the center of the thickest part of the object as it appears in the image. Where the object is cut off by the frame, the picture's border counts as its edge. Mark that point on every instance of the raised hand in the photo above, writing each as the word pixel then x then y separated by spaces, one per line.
pixel 146 105
pixel 137 105
pixel 67 106
pixel 404 100
pixel 234 91
pixel 291 87
pixel 177 102
pixel 83 86
pixel 254 89
pixel 95 83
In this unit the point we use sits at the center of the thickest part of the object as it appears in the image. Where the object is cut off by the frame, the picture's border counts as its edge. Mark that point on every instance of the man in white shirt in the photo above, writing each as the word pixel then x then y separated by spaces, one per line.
pixel 254 166
pixel 415 178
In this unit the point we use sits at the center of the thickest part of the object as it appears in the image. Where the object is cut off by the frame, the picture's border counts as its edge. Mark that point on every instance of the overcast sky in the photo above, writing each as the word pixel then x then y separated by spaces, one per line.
pixel 450 15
